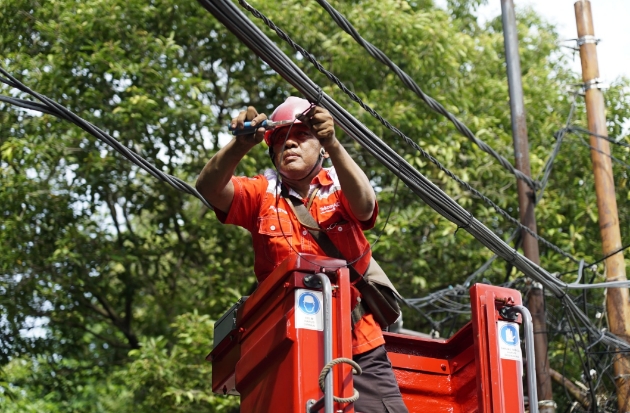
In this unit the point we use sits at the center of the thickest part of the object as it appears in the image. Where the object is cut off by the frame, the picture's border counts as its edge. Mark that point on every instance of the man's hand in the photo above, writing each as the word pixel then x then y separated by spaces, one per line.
pixel 321 123
pixel 255 118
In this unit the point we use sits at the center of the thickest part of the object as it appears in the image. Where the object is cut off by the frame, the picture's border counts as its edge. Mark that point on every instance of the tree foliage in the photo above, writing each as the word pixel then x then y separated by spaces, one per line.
pixel 112 278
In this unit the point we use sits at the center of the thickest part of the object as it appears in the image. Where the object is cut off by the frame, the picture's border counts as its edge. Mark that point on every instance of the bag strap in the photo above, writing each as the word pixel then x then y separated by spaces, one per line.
pixel 307 220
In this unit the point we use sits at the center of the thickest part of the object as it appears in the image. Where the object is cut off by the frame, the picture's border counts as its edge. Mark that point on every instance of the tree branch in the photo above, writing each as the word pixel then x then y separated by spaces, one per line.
pixel 576 392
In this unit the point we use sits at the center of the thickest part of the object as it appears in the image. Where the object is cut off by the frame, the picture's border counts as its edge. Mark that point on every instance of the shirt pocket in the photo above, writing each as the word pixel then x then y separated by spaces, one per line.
pixel 348 238
pixel 276 236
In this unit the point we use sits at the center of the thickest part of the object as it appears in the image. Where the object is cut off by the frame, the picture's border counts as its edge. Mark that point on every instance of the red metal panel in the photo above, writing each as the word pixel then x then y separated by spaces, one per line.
pixel 275 366
pixel 436 376
pixel 500 387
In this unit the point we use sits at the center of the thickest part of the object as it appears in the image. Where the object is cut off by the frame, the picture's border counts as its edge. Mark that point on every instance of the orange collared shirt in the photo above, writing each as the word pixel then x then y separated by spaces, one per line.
pixel 277 233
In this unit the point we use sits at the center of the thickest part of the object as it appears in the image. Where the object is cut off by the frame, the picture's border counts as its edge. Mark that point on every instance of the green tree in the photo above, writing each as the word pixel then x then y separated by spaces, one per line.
pixel 126 273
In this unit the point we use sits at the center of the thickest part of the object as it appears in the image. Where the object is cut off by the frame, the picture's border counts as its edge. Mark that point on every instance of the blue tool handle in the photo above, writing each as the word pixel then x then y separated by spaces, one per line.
pixel 247 128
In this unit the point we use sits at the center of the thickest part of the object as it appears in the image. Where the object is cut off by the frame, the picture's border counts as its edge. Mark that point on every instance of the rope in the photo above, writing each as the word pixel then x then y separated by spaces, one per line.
pixel 356 369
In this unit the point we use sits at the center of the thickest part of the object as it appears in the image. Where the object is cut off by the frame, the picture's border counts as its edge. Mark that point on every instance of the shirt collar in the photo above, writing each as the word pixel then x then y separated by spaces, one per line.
pixel 322 178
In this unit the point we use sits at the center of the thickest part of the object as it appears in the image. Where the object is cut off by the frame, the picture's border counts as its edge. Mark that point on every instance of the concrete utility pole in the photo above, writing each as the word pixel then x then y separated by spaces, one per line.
pixel 616 298
pixel 526 201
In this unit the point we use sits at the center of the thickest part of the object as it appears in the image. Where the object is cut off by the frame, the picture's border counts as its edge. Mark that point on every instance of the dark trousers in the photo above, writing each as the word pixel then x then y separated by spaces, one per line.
pixel 377 386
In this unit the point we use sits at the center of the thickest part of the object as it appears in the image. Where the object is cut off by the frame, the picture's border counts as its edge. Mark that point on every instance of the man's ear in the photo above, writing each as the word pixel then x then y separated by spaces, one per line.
pixel 323 153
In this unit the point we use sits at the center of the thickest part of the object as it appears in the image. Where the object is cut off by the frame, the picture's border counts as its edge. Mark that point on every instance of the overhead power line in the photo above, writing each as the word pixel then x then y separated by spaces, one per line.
pixel 51 107
pixel 616 141
pixel 309 57
pixel 232 18
pixel 433 104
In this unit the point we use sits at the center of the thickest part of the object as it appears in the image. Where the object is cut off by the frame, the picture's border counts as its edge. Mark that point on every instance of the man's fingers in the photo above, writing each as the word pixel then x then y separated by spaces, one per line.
pixel 259 118
pixel 245 116
pixel 251 112
pixel 260 134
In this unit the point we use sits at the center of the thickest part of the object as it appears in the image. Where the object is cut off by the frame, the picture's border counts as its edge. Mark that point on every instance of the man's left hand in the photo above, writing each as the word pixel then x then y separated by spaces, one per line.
pixel 321 123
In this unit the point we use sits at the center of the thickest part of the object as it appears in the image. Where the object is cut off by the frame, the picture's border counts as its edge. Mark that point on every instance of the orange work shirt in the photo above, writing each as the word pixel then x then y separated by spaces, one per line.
pixel 277 233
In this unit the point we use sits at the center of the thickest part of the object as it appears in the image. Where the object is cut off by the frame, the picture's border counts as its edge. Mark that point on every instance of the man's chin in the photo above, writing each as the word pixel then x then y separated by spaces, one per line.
pixel 293 173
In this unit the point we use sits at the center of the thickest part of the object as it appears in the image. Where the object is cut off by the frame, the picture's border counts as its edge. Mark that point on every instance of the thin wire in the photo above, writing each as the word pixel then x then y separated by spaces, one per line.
pixel 308 56
pixel 616 141
pixel 433 104
pixel 617 160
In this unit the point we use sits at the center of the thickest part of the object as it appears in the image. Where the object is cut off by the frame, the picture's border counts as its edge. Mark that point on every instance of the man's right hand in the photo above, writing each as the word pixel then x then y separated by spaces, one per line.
pixel 215 180
pixel 249 115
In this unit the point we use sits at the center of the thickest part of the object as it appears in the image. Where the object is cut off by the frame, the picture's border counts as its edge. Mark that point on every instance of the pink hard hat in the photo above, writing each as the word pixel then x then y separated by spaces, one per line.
pixel 287 111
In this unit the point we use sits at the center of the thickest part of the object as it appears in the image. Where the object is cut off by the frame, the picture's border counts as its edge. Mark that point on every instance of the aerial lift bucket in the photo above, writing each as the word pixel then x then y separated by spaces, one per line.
pixel 271 347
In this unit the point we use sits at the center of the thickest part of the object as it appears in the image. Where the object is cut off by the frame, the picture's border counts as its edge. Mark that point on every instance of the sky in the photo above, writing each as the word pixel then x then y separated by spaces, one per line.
pixel 611 22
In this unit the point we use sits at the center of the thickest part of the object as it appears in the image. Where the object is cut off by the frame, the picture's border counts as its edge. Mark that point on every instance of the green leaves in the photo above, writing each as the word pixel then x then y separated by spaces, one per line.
pixel 126 273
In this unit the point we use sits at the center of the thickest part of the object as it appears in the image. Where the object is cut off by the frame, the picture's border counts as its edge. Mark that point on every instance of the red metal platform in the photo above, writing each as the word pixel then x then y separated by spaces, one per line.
pixel 274 365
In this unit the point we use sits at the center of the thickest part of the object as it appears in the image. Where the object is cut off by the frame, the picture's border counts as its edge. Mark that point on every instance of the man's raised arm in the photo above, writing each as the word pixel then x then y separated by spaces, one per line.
pixel 354 183
pixel 215 180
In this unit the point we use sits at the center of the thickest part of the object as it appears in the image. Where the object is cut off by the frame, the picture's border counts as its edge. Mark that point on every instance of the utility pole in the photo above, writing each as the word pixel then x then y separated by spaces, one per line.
pixel 526 201
pixel 616 298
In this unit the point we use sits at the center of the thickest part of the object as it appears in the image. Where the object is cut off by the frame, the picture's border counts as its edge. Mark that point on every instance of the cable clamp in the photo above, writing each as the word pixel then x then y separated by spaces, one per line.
pixel 547 403
pixel 588 39
pixel 596 83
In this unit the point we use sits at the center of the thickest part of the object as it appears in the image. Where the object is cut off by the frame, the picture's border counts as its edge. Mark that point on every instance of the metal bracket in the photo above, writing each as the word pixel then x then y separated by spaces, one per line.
pixel 587 39
pixel 596 83
pixel 507 314
pixel 547 403
pixel 312 281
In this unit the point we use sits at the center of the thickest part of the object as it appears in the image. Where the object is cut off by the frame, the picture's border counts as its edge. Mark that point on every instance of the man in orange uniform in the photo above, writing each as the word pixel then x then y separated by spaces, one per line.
pixel 340 199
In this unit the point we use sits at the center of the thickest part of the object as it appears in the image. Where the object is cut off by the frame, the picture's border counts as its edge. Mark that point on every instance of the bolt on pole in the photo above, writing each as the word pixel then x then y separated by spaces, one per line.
pixel 616 298
pixel 526 200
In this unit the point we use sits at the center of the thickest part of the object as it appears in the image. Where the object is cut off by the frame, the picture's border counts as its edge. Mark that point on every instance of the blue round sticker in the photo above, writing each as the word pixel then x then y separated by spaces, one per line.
pixel 509 335
pixel 309 303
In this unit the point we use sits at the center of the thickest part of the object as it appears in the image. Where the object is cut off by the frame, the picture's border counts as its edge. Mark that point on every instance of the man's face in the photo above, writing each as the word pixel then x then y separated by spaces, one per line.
pixel 301 151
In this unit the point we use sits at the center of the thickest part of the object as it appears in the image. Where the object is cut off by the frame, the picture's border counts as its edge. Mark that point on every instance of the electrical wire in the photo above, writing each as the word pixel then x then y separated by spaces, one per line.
pixel 309 57
pixel 616 141
pixel 433 104
pixel 424 188
pixel 614 159
pixel 48 106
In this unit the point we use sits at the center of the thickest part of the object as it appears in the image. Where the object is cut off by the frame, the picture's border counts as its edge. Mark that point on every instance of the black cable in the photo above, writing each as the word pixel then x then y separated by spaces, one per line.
pixel 617 160
pixel 617 141
pixel 587 373
pixel 434 105
pixel 308 56
pixel 556 150
pixel 625 247
pixel 232 18
pixel 542 185
pixel 53 108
